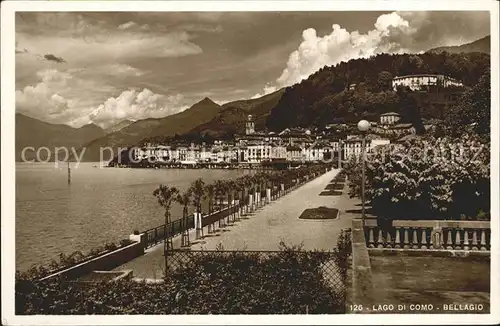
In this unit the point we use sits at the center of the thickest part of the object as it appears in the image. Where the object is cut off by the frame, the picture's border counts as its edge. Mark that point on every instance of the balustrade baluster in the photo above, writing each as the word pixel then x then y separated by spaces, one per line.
pixel 415 239
pixel 380 240
pixel 466 240
pixel 474 240
pixel 398 240
pixel 389 240
pixel 483 240
pixel 424 239
pixel 458 240
pixel 449 242
pixel 370 238
pixel 406 239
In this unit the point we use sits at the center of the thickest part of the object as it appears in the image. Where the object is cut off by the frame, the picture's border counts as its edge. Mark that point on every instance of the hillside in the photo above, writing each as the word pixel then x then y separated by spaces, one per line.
pixel 228 122
pixel 118 126
pixel 325 97
pixel 231 119
pixel 31 132
pixel 481 45
pixel 142 130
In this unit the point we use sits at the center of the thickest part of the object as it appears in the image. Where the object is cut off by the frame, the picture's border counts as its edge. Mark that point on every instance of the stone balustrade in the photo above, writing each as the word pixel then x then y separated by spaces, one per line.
pixel 430 234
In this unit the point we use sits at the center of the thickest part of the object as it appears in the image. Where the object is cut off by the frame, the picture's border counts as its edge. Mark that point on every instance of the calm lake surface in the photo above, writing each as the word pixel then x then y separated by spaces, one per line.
pixel 101 205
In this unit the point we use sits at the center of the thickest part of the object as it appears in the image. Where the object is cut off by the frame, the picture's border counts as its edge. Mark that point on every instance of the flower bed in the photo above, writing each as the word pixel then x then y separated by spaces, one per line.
pixel 320 213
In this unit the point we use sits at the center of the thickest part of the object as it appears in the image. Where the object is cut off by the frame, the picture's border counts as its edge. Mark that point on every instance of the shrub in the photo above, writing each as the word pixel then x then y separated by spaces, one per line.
pixel 207 283
pixel 136 232
pixel 343 251
pixel 110 246
pixel 125 242
pixel 426 179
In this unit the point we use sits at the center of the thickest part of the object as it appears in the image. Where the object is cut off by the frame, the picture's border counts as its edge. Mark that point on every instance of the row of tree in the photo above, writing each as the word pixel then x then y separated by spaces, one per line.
pixel 239 189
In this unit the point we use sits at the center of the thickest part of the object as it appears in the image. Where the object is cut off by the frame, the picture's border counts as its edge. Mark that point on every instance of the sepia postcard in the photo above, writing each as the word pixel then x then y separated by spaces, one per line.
pixel 250 162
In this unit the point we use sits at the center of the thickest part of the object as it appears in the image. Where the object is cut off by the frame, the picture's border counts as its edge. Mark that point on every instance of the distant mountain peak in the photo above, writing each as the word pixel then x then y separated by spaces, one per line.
pixel 207 100
pixel 90 125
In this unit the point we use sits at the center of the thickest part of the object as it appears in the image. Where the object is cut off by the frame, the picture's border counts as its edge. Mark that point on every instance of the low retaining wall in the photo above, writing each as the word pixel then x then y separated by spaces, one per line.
pixel 105 262
pixel 362 284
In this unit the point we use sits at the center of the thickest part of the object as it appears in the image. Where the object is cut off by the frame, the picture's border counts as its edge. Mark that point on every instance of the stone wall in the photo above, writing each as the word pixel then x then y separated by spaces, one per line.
pixel 362 285
pixel 105 262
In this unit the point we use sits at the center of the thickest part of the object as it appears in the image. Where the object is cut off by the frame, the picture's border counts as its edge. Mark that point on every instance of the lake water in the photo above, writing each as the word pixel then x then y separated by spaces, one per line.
pixel 100 205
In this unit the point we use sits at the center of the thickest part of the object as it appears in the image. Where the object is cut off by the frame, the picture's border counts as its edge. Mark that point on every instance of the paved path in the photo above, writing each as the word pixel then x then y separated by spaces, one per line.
pixel 278 221
pixel 265 228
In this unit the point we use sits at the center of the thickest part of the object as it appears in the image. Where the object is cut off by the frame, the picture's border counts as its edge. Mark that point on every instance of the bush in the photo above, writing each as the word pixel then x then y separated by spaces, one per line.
pixel 125 242
pixel 136 232
pixel 110 246
pixel 343 251
pixel 219 282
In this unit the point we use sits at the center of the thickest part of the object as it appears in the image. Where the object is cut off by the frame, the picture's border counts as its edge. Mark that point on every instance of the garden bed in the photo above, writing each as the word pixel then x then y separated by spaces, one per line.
pixel 320 213
pixel 331 193
pixel 334 186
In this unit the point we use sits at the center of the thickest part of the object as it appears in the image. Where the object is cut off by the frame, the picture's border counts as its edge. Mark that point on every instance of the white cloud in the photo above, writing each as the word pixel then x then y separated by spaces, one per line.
pixel 136 105
pixel 76 97
pixel 127 25
pixel 340 45
pixel 268 89
pixel 42 100
pixel 117 45
pixel 108 70
pixel 397 32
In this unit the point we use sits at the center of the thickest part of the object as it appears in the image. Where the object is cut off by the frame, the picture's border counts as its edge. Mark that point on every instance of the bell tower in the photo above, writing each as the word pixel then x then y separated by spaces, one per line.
pixel 250 125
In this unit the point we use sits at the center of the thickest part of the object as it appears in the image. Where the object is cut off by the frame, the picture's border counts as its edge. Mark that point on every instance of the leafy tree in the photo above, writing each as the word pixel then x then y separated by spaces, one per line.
pixel 384 80
pixel 472 113
pixel 197 190
pixel 410 110
pixel 166 196
pixel 323 98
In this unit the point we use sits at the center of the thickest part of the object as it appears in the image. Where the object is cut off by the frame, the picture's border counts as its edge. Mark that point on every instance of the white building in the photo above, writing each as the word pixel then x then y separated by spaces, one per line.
pixel 256 153
pixel 352 147
pixel 420 82
pixel 389 118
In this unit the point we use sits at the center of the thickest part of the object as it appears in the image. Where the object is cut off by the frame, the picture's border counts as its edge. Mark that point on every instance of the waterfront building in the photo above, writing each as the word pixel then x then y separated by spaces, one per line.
pixel 294 153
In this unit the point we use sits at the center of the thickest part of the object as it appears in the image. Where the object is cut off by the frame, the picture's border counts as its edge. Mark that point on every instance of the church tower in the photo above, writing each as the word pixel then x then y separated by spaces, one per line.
pixel 250 125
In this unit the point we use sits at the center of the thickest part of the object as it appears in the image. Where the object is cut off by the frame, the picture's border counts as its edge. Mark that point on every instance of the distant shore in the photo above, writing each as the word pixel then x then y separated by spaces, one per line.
pixel 219 166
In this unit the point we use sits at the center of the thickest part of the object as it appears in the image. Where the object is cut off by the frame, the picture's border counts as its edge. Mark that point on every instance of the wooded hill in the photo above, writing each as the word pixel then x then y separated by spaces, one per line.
pixel 325 97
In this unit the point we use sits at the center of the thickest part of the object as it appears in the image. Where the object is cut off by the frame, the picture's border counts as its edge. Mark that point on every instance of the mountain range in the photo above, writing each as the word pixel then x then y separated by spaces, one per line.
pixel 287 107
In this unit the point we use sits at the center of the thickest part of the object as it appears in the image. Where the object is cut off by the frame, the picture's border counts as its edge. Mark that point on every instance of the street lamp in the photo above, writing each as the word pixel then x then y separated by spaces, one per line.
pixel 363 127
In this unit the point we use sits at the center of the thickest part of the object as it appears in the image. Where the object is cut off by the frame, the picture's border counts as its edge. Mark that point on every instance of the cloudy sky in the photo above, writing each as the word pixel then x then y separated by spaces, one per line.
pixel 78 68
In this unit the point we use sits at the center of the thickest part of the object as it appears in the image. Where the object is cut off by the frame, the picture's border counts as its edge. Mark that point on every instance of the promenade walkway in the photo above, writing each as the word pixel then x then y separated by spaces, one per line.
pixel 265 228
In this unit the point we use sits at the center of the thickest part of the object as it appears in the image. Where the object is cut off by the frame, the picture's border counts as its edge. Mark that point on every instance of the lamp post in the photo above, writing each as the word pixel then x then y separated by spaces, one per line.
pixel 363 127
